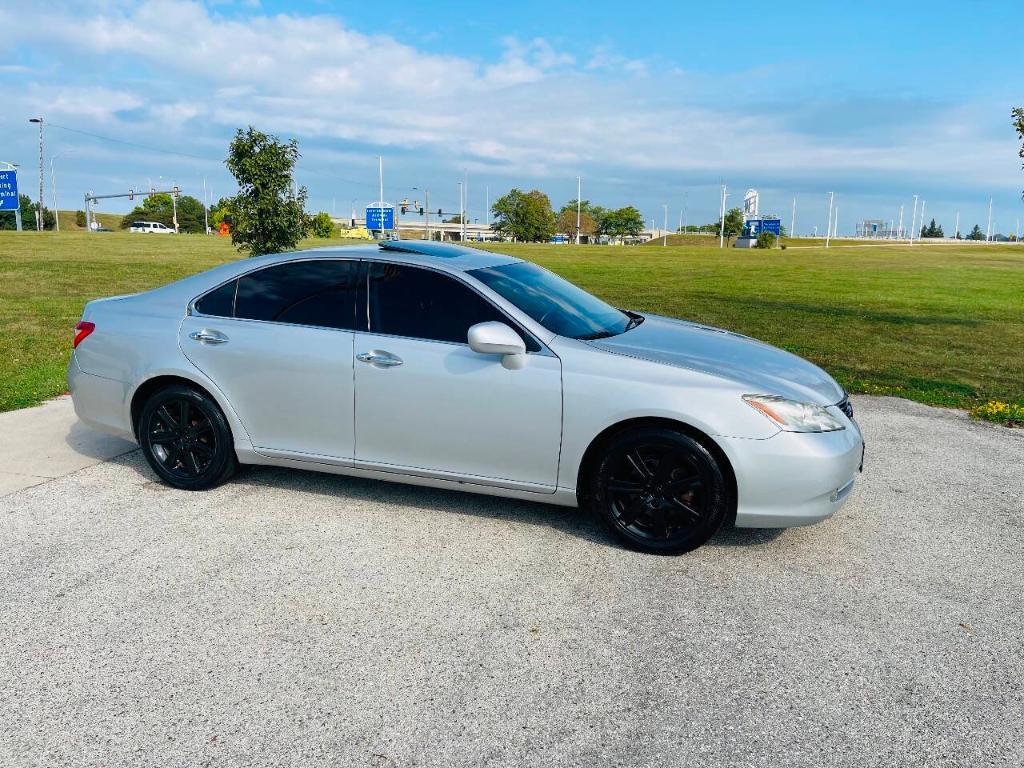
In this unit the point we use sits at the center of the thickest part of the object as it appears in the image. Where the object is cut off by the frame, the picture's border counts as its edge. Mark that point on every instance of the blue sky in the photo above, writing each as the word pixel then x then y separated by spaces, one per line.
pixel 651 105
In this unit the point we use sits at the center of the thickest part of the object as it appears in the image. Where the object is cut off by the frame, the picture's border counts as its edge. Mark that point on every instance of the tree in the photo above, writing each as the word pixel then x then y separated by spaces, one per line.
pixel 733 224
pixel 1018 125
pixel 976 234
pixel 160 207
pixel 525 216
pixel 28 216
pixel 268 212
pixel 321 225
pixel 622 222
pixel 566 223
pixel 220 211
pixel 595 214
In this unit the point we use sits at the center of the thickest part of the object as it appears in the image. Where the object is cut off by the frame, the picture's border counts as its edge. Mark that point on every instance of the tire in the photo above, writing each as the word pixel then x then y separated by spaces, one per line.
pixel 659 491
pixel 186 439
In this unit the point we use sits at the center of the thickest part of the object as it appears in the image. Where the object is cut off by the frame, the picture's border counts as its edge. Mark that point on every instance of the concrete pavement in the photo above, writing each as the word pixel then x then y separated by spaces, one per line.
pixel 46 442
pixel 289 618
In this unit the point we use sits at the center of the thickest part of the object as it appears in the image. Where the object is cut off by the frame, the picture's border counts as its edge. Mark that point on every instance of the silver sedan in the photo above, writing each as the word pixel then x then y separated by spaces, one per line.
pixel 457 368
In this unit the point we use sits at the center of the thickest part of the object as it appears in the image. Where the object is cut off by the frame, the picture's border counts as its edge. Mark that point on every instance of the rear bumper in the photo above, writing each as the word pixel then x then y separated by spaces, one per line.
pixel 794 479
pixel 99 402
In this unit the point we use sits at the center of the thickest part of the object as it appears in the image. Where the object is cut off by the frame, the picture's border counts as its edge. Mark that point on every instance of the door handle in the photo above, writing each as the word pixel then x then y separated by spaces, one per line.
pixel 379 358
pixel 206 336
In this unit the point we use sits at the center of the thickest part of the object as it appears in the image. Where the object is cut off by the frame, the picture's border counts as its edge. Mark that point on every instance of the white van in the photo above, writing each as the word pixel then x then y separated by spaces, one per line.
pixel 154 227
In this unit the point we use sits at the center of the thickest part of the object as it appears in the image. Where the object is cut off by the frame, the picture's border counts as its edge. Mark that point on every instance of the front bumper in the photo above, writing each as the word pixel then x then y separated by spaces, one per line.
pixel 793 478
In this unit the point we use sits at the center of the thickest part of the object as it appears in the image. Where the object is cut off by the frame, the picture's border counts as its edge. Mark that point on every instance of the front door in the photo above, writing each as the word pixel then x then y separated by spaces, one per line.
pixel 426 402
pixel 278 343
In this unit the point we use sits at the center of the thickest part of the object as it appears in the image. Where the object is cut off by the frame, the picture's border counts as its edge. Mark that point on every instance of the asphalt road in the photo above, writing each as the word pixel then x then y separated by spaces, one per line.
pixel 290 618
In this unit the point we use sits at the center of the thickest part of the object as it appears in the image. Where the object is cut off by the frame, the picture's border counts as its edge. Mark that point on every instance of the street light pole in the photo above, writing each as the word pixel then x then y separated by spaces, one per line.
pixel 828 229
pixel 721 219
pixel 53 190
pixel 664 230
pixel 579 192
pixel 913 222
pixel 39 213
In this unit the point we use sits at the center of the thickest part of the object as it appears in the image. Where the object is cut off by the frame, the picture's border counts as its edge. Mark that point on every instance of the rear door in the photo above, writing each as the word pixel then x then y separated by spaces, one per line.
pixel 278 343
pixel 434 406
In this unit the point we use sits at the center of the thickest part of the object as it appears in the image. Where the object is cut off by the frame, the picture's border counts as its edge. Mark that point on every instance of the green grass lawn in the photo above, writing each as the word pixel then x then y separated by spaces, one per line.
pixel 942 324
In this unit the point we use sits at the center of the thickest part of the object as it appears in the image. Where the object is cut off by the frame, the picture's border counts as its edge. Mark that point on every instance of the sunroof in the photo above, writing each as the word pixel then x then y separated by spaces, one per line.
pixel 427 248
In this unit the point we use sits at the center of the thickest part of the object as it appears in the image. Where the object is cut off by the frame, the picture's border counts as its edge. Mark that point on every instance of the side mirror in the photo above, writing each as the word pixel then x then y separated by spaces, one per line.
pixel 494 338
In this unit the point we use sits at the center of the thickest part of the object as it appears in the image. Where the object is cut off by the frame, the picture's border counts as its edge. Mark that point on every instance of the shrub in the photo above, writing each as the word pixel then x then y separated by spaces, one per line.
pixel 765 240
pixel 80 219
pixel 321 225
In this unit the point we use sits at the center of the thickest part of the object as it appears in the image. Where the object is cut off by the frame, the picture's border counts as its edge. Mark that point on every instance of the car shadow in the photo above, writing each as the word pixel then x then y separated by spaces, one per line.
pixel 341 488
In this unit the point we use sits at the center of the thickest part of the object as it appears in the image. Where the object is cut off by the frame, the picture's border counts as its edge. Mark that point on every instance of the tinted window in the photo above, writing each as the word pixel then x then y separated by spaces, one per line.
pixel 317 292
pixel 220 302
pixel 419 303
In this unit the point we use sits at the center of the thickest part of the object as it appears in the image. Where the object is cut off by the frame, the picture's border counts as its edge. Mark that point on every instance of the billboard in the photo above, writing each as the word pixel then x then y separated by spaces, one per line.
pixel 8 190
pixel 380 217
pixel 754 227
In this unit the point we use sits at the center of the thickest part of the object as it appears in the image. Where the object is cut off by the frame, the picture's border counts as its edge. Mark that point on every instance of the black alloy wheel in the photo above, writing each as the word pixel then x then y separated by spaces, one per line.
pixel 660 491
pixel 186 438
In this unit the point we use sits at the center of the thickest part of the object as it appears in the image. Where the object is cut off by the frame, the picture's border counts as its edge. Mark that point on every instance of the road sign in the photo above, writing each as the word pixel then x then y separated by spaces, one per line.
pixel 8 190
pixel 380 217
pixel 754 227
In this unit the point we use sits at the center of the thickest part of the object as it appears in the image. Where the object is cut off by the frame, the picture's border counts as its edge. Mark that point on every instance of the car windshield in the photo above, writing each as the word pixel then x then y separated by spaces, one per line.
pixel 557 304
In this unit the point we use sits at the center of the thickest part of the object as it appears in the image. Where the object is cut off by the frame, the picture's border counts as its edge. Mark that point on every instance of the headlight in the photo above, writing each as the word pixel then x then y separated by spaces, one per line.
pixel 793 416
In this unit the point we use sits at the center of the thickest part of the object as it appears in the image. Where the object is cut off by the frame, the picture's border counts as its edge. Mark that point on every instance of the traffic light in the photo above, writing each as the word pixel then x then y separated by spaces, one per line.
pixel 421 210
pixel 405 208
pixel 131 193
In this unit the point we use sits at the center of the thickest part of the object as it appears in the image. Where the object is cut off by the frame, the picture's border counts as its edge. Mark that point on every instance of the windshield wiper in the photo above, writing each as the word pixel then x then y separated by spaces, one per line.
pixel 597 335
pixel 634 320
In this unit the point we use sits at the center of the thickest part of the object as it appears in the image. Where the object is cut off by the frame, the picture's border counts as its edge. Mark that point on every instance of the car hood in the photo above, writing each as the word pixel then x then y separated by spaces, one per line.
pixel 761 368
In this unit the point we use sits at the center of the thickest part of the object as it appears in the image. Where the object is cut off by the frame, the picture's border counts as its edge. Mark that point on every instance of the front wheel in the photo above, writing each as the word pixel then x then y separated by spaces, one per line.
pixel 660 491
pixel 186 439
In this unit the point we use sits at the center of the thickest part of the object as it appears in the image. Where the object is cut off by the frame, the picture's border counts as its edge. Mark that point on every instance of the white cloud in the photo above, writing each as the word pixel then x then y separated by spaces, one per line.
pixel 536 111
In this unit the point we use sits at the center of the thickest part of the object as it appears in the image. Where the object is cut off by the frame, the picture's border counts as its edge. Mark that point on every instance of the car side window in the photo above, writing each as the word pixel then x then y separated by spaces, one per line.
pixel 219 302
pixel 316 292
pixel 423 304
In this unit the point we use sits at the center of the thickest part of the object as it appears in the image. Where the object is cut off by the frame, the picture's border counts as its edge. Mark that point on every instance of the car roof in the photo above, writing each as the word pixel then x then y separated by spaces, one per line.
pixel 451 258
pixel 456 258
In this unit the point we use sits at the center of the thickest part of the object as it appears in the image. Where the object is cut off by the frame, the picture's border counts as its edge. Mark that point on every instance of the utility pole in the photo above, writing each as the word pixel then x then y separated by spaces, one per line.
pixel 792 221
pixel 426 209
pixel 39 213
pixel 828 229
pixel 462 213
pixel 988 230
pixel 206 210
pixel 913 221
pixel 721 219
pixel 53 189
pixel 579 192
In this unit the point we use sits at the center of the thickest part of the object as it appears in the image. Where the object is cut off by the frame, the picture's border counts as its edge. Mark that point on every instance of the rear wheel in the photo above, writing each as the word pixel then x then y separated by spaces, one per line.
pixel 659 490
pixel 186 438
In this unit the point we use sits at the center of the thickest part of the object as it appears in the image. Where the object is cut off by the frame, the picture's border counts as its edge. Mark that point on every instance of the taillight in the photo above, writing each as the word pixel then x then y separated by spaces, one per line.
pixel 82 330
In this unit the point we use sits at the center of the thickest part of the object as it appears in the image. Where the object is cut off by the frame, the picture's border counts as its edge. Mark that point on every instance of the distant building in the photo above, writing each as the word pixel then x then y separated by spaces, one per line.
pixel 875 228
